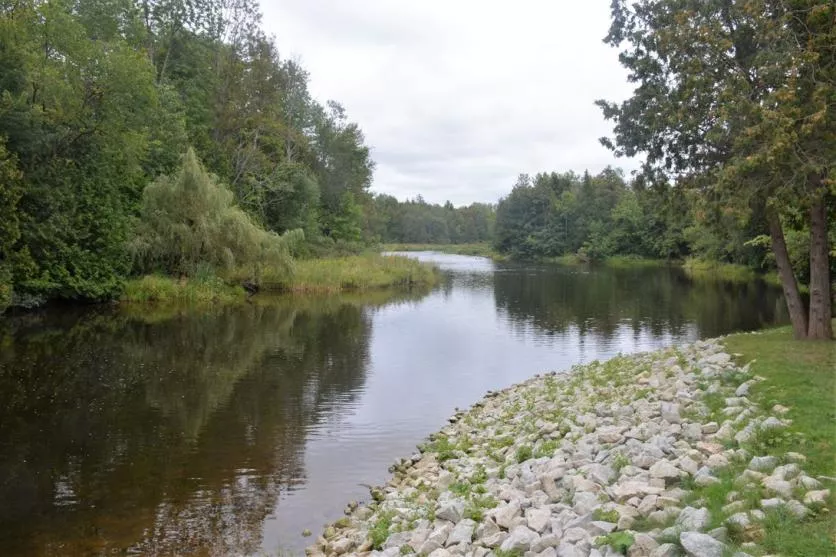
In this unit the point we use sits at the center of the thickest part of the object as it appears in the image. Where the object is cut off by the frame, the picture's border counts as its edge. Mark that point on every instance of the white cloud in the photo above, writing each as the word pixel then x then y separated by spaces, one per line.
pixel 457 97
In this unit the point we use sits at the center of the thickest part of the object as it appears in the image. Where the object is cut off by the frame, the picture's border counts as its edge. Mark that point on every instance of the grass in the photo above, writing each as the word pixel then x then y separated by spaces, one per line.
pixel 802 376
pixel 633 262
pixel 359 272
pixel 478 249
pixel 157 289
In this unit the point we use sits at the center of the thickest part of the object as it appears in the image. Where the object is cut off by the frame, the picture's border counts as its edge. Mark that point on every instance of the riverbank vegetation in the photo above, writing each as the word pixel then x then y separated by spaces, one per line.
pixel 359 272
pixel 798 376
pixel 107 112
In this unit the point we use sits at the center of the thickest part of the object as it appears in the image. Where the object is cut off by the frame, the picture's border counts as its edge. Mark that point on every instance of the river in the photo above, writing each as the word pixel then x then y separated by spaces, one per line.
pixel 230 431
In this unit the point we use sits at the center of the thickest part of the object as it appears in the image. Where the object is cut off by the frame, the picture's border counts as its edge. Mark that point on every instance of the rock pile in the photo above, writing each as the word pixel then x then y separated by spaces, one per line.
pixel 654 454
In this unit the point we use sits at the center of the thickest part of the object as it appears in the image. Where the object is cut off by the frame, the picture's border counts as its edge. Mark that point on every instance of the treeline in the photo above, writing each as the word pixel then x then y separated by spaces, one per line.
pixel 100 98
pixel 595 217
pixel 418 222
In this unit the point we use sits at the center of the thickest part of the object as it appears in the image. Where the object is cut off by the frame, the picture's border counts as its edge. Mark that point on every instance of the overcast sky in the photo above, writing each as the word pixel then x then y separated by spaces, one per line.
pixel 457 97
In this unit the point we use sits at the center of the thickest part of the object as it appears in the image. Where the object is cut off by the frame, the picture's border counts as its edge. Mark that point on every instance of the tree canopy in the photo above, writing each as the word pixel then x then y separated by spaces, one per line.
pixel 734 99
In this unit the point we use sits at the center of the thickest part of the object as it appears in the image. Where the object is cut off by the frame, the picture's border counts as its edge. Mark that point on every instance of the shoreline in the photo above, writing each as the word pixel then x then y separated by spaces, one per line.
pixel 660 453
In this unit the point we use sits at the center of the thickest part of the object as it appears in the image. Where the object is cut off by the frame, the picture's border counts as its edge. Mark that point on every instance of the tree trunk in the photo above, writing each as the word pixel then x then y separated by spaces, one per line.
pixel 820 327
pixel 795 306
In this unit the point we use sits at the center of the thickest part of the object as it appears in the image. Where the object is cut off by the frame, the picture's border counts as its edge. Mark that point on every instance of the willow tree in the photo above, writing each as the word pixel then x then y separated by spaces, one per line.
pixel 736 97
pixel 189 220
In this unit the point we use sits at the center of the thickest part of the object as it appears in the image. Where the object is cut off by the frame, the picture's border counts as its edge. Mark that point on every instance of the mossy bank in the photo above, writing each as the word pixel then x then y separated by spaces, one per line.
pixel 683 451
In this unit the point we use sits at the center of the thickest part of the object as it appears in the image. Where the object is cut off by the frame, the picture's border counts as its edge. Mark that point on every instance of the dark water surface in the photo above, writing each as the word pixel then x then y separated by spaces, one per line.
pixel 233 430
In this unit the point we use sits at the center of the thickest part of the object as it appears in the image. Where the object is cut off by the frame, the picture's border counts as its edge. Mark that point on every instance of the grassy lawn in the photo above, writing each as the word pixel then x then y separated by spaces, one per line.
pixel 801 376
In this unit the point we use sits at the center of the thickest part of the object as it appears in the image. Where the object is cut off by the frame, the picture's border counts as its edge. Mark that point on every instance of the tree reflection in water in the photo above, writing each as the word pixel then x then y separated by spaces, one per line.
pixel 173 432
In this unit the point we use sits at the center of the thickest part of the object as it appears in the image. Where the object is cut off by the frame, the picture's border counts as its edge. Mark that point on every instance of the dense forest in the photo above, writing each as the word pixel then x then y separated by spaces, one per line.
pixel 100 98
pixel 170 136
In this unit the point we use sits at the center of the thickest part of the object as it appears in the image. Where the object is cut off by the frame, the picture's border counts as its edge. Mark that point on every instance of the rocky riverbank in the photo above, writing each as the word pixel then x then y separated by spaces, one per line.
pixel 659 454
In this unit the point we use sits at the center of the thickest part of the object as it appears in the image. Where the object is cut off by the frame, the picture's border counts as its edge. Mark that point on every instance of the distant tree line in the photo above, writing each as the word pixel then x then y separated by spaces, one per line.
pixel 604 215
pixel 418 222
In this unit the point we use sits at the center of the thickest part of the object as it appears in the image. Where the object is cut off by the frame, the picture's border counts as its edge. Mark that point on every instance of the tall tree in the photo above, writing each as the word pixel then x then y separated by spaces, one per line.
pixel 737 97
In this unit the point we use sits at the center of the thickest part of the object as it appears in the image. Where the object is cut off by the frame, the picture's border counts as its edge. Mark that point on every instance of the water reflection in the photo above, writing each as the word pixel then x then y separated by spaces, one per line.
pixel 173 433
pixel 606 303
pixel 231 431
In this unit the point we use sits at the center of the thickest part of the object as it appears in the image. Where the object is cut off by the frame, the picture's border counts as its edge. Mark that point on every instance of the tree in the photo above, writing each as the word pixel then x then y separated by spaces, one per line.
pixel 189 219
pixel 734 98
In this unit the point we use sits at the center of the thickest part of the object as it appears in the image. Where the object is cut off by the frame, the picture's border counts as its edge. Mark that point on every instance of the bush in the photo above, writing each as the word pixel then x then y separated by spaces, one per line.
pixel 189 219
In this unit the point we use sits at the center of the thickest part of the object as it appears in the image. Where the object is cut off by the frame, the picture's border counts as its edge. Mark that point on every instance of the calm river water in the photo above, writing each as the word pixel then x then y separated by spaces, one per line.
pixel 231 431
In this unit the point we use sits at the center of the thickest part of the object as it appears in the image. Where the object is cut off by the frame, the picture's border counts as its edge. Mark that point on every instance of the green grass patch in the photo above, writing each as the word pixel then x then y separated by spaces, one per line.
pixel 360 272
pixel 619 541
pixel 633 262
pixel 159 289
pixel 379 531
pixel 802 376
pixel 699 269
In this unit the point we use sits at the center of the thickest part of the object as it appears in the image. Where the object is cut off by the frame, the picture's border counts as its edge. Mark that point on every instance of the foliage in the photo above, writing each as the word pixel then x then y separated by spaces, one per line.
pixel 555 215
pixel 189 219
pixel 418 222
pixel 99 99
pixel 619 541
pixel 192 291
pixel 732 100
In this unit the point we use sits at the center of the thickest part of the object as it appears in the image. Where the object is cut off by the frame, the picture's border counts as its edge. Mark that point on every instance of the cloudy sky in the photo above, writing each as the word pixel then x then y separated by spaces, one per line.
pixel 457 97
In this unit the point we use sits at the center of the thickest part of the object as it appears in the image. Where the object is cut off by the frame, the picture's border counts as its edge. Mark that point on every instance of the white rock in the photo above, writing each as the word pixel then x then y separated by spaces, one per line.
pixel 743 389
pixel 643 546
pixel 693 519
pixel 816 497
pixel 566 549
pixel 717 461
pixel 452 511
pixel 628 489
pixel 520 538
pixel 440 553
pixel 771 423
pixel 689 465
pixel 696 544
pixel 779 486
pixel 462 532
pixel 504 515
pixel 670 412
pixel 538 518
pixel 763 463
pixel 787 471
pixel 796 457
pixel 342 545
pixel 665 550
pixel 609 434
pixel 797 509
pixel 665 470
pixel 545 542
pixel 436 539
pixel 584 502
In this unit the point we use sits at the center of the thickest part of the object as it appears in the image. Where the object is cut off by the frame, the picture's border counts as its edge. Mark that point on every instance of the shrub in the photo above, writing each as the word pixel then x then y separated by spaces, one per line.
pixel 189 219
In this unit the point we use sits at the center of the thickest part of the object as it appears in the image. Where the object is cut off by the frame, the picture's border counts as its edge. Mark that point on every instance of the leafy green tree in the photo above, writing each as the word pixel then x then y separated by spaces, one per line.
pixel 189 220
pixel 10 192
pixel 734 97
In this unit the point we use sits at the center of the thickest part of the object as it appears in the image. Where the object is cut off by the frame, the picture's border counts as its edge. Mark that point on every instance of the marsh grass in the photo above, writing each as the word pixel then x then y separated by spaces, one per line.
pixel 699 269
pixel 157 289
pixel 361 272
